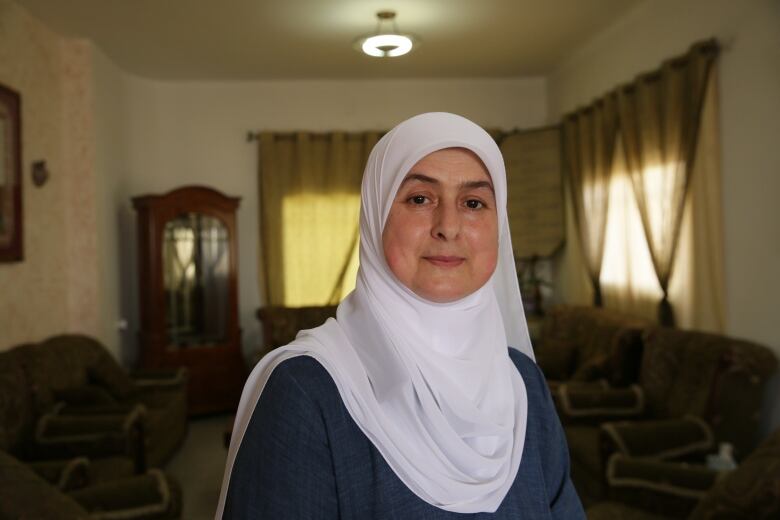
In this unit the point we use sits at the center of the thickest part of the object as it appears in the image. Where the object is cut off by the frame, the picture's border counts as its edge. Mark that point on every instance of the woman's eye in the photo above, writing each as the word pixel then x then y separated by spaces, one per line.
pixel 418 199
pixel 474 204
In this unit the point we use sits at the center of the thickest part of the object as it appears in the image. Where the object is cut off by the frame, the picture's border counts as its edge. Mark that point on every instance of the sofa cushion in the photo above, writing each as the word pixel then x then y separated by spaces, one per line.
pixel 87 395
pixel 556 358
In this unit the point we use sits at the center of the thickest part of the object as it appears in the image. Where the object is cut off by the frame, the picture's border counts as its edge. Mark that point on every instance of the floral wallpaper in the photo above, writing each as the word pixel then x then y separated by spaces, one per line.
pixel 53 289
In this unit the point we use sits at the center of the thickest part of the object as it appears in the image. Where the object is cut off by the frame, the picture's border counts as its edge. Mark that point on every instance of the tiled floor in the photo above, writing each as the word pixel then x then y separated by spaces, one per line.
pixel 199 466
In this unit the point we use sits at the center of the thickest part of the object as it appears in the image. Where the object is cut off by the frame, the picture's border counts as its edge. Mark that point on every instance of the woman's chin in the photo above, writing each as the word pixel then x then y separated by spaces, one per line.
pixel 443 293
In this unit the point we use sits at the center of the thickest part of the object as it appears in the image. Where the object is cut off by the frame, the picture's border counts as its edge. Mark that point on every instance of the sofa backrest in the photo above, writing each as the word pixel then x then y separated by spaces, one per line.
pixel 66 362
pixel 597 334
pixel 282 324
pixel 16 403
pixel 715 377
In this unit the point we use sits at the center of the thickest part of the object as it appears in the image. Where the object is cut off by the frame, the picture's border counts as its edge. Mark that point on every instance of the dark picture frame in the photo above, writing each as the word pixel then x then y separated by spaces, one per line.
pixel 11 249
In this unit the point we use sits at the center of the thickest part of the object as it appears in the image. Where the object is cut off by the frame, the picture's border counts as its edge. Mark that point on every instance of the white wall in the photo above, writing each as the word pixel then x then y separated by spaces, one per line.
pixel 195 133
pixel 750 131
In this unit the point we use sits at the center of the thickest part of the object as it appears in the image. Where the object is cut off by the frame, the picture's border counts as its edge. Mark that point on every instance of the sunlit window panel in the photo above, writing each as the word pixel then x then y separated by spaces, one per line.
pixel 319 247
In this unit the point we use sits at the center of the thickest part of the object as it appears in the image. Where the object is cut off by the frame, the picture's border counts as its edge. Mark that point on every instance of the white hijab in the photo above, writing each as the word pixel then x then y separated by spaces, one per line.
pixel 430 384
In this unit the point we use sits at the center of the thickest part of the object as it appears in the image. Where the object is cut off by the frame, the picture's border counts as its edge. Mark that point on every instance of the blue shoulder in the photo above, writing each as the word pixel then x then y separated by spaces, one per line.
pixel 532 375
pixel 307 375
pixel 524 364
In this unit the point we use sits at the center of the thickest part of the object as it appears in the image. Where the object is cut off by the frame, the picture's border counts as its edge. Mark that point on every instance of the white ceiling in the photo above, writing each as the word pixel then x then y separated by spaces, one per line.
pixel 275 39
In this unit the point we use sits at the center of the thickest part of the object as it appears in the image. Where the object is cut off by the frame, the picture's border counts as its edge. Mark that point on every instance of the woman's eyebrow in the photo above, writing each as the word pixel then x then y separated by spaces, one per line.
pixel 430 180
pixel 477 184
pixel 419 177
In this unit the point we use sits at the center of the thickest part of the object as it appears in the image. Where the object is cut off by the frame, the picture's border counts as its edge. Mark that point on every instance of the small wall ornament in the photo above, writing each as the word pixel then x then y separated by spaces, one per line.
pixel 40 174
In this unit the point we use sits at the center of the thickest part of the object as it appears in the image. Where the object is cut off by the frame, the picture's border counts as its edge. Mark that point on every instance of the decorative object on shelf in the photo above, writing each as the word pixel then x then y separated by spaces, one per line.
pixel 188 272
pixel 11 238
pixel 387 41
pixel 40 173
pixel 531 285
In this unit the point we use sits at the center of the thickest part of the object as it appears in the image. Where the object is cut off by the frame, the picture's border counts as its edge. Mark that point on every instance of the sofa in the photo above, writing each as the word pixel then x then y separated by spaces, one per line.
pixel 646 489
pixel 65 490
pixel 694 391
pixel 68 397
pixel 282 324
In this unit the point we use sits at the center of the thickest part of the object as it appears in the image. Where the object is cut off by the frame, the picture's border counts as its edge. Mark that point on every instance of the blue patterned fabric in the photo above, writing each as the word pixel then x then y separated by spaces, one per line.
pixel 303 457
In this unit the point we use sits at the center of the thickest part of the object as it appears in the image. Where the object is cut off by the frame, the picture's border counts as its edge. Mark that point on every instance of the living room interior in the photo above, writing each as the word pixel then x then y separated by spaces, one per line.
pixel 123 107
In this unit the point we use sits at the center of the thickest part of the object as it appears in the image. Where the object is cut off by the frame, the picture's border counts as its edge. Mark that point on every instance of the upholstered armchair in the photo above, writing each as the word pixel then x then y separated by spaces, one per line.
pixel 651 489
pixel 72 398
pixel 31 434
pixel 694 391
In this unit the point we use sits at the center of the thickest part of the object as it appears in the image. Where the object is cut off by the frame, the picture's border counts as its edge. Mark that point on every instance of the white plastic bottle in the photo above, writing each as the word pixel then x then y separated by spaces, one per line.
pixel 724 459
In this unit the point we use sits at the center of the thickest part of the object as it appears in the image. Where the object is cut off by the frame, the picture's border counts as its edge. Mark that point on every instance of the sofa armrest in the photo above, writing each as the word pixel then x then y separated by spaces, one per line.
pixel 160 377
pixel 672 488
pixel 662 439
pixel 594 401
pixel 92 435
pixel 66 474
pixel 117 409
pixel 677 478
pixel 153 494
pixel 24 494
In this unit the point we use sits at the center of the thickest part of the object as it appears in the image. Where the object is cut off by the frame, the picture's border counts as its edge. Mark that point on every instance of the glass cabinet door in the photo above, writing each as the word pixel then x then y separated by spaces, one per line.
pixel 196 270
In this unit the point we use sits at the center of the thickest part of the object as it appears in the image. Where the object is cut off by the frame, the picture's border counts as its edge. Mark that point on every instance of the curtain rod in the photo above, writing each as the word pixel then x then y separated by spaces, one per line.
pixel 497 133
pixel 255 135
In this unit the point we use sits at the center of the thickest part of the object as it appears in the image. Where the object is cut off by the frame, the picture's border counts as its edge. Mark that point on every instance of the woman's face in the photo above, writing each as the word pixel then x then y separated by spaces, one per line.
pixel 441 236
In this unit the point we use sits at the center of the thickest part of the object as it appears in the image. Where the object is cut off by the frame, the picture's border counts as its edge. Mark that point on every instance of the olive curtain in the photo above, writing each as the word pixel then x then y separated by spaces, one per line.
pixel 309 188
pixel 589 148
pixel 659 116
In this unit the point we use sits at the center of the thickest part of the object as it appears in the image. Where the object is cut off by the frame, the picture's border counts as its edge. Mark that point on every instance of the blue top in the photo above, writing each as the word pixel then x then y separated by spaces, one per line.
pixel 303 457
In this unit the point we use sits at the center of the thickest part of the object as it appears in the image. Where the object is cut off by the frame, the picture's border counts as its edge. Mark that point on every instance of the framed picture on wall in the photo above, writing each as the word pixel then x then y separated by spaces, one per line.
pixel 10 176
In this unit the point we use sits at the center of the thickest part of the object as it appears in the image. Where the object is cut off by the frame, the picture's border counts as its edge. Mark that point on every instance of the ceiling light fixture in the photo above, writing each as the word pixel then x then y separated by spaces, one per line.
pixel 387 41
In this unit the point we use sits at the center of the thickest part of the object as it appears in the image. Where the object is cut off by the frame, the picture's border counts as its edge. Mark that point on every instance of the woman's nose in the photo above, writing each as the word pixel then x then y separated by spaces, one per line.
pixel 446 225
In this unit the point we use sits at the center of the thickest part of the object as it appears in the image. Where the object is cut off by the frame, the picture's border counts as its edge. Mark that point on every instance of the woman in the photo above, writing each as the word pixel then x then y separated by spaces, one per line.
pixel 409 405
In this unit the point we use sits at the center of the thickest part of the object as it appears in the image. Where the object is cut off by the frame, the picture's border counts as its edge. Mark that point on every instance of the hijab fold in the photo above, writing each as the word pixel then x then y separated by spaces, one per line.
pixel 430 384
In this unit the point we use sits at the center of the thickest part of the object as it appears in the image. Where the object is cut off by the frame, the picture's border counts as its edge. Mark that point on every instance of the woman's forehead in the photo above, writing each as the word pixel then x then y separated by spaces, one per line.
pixel 446 163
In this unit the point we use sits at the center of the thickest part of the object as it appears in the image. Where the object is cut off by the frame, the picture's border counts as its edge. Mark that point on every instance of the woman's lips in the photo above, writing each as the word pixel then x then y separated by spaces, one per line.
pixel 445 261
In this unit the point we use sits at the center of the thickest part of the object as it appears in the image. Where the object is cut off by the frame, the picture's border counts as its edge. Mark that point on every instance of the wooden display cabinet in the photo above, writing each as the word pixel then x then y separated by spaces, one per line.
pixel 188 272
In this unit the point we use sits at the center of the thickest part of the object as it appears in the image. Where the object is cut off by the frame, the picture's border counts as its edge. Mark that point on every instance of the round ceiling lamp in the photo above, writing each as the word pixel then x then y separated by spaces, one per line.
pixel 387 41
